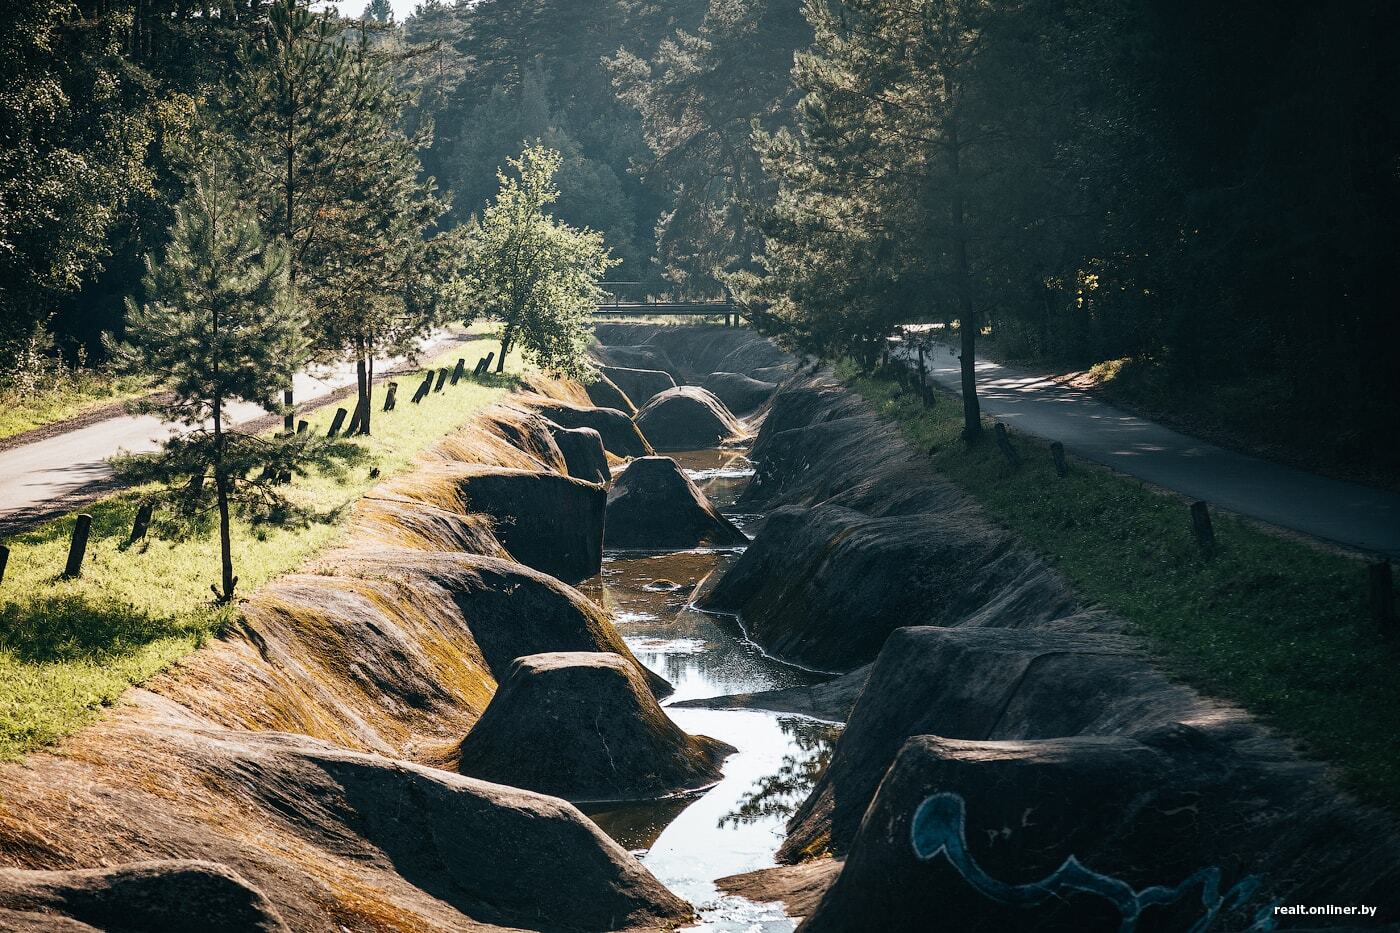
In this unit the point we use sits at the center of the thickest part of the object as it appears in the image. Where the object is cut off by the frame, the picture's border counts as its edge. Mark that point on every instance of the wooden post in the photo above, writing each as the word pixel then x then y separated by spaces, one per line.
pixel 1004 445
pixel 441 380
pixel 1382 588
pixel 457 373
pixel 423 388
pixel 142 522
pixel 77 548
pixel 925 392
pixel 303 426
pixel 337 422
pixel 1201 527
pixel 480 367
pixel 4 559
pixel 391 396
pixel 289 417
pixel 1057 453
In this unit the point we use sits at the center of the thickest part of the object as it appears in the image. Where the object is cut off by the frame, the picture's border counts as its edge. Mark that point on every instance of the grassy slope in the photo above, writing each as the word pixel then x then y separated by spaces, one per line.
pixel 75 394
pixel 1276 625
pixel 70 647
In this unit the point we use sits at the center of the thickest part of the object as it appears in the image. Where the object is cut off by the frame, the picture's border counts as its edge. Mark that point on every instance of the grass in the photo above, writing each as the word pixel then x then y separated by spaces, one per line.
pixel 72 393
pixel 69 648
pixel 1273 624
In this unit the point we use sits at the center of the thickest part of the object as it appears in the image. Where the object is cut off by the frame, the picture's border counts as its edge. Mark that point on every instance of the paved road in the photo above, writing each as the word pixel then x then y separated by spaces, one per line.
pixel 1340 512
pixel 58 467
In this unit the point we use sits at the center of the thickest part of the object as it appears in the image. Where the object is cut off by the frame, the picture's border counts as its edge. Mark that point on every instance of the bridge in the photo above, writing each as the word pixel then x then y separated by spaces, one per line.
pixel 626 299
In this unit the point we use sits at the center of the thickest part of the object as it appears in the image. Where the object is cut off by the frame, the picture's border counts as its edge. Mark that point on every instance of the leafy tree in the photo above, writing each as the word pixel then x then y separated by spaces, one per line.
pixel 536 275
pixel 72 154
pixel 217 327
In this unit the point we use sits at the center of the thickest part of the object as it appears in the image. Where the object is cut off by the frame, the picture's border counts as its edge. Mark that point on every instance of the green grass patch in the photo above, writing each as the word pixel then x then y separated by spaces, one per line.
pixel 68 648
pixel 67 395
pixel 1278 626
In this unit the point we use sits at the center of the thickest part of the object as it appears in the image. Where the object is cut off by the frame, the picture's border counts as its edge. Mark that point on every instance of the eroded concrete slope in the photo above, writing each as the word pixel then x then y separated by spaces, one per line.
pixel 1014 761
pixel 300 761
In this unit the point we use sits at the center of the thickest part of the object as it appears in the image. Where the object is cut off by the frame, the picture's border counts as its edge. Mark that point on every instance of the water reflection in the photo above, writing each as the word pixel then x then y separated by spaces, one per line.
pixel 738 824
pixel 778 794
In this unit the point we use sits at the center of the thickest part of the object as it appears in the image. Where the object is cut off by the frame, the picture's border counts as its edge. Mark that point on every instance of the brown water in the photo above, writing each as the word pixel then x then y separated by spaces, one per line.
pixel 737 825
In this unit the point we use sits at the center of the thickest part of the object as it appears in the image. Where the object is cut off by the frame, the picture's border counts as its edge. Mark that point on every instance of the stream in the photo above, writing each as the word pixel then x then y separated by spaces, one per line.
pixel 737 825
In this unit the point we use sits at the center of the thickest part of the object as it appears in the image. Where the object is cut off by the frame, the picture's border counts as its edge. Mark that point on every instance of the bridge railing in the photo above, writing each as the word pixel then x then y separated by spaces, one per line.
pixel 632 298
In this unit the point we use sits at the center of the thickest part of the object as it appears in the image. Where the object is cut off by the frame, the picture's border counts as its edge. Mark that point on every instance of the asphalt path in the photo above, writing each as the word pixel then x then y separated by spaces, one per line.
pixel 60 470
pixel 1348 514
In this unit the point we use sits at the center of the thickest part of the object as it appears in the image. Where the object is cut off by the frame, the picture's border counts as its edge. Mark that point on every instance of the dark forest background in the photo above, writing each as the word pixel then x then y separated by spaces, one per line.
pixel 1200 197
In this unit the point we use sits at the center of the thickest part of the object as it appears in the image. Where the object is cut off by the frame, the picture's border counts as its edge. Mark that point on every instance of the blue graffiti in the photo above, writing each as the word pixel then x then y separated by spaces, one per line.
pixel 940 828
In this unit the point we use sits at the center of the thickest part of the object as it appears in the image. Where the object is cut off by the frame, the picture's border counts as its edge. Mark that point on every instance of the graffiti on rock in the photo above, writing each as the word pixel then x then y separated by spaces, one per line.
pixel 940 828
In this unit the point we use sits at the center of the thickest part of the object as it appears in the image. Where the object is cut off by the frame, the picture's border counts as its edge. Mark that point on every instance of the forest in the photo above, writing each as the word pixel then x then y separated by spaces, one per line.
pixel 1166 192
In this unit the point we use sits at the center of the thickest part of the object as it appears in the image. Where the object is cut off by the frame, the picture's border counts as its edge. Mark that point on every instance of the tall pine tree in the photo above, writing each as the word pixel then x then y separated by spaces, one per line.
pixel 217 328
pixel 923 136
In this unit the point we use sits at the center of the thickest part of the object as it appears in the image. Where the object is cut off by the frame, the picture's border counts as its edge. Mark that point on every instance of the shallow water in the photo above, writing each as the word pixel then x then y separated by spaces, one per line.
pixel 737 825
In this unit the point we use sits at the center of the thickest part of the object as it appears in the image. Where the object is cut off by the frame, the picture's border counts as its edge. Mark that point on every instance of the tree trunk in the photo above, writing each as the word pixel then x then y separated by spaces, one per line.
pixel 506 338
pixel 221 491
pixel 967 311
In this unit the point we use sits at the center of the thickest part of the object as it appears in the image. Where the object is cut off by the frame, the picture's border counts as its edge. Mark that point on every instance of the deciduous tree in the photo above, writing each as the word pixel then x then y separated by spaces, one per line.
pixel 536 275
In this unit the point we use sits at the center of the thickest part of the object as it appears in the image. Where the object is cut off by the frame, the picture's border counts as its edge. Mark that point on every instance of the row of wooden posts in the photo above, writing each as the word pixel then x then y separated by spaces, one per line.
pixel 433 381
pixel 1380 578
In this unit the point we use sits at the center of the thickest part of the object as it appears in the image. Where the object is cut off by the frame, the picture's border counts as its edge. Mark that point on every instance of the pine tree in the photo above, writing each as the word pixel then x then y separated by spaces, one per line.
pixel 537 276
pixel 389 283
pixel 698 97
pixel 336 178
pixel 911 189
pixel 381 11
pixel 217 327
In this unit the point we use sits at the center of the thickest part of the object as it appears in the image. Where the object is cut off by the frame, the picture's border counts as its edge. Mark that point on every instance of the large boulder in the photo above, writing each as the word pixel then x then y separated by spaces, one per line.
pixel 739 392
pixel 654 504
pixel 492 852
pixel 508 609
pixel 604 393
pixel 619 433
pixel 172 896
pixel 399 521
pixel 546 521
pixel 583 453
pixel 823 587
pixel 1167 829
pixel 981 683
pixel 640 384
pixel 583 726
pixel 687 418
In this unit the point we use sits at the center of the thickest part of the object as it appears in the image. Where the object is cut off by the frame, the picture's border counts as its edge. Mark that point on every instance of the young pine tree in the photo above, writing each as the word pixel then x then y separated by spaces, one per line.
pixel 537 276
pixel 217 328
